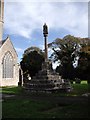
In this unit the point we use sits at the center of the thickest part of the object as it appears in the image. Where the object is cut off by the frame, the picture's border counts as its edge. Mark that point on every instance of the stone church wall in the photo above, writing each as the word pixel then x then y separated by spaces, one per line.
pixel 8 47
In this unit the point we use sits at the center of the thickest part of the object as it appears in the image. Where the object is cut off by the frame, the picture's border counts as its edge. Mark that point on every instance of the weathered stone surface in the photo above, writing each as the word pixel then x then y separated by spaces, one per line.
pixel 8 47
pixel 47 80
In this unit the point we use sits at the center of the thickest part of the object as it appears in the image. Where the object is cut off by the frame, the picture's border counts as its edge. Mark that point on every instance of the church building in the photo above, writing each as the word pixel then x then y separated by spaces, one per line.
pixel 9 67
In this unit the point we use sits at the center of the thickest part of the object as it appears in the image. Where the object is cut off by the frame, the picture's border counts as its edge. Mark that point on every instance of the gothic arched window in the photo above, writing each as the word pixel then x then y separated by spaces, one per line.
pixel 8 66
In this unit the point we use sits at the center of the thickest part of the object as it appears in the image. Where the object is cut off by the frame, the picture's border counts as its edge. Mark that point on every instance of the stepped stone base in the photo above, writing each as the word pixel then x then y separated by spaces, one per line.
pixel 47 80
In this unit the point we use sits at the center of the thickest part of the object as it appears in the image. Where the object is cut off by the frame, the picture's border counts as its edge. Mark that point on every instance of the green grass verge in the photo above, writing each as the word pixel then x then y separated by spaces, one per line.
pixel 11 90
pixel 79 89
pixel 26 108
pixel 22 106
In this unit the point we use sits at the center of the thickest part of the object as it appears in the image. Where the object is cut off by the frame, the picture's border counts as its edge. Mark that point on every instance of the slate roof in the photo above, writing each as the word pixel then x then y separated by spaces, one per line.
pixel 2 42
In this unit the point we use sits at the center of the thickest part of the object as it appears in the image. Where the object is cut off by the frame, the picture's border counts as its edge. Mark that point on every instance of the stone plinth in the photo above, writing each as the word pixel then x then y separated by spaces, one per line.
pixel 46 80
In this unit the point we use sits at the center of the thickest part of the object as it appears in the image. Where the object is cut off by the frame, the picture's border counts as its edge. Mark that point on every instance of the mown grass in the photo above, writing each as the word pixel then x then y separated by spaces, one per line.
pixel 27 105
pixel 11 90
pixel 79 89
pixel 26 108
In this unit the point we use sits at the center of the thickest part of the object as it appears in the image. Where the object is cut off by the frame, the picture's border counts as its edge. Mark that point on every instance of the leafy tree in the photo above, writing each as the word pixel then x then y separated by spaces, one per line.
pixel 83 68
pixel 32 61
pixel 65 51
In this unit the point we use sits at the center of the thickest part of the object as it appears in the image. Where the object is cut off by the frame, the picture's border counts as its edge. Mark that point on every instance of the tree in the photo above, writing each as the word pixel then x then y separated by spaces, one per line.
pixel 65 51
pixel 83 68
pixel 32 61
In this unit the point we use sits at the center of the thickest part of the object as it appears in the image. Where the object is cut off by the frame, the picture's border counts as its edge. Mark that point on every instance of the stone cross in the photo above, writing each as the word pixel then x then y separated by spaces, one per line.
pixel 45 33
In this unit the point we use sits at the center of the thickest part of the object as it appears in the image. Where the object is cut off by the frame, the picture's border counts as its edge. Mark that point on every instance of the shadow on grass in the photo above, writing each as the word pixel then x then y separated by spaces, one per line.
pixel 28 108
pixel 43 105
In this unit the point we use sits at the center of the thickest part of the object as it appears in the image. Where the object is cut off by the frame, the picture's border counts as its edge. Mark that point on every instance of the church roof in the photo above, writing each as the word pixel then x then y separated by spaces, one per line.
pixel 3 41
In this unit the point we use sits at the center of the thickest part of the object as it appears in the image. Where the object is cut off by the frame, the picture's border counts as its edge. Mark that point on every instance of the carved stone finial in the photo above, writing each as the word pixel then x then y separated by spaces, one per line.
pixel 45 29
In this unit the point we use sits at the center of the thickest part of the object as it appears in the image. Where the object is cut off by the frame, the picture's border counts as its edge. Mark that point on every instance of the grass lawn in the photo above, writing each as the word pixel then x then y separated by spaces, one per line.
pixel 55 105
pixel 27 108
pixel 11 90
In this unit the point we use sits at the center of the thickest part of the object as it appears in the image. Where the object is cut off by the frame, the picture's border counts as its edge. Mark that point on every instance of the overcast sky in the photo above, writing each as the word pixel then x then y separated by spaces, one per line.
pixel 24 19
